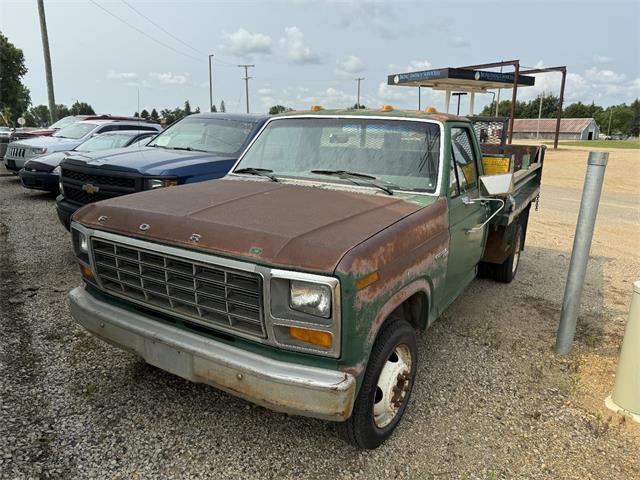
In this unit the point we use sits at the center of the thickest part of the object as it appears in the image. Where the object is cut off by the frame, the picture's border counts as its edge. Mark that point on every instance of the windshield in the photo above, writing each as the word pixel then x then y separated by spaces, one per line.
pixel 104 142
pixel 65 122
pixel 205 134
pixel 404 154
pixel 75 131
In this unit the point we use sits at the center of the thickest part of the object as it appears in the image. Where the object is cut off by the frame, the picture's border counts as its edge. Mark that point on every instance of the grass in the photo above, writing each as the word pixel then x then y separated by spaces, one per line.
pixel 633 144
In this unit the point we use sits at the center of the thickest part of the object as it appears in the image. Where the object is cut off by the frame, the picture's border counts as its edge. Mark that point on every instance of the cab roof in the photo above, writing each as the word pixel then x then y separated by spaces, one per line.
pixel 379 112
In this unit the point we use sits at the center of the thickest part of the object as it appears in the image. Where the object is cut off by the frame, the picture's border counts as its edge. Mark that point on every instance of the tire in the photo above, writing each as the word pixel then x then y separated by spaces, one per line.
pixel 375 415
pixel 506 271
pixel 484 270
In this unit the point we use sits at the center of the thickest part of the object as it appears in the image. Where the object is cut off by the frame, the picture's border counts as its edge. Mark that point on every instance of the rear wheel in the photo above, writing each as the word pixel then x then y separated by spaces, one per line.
pixel 386 387
pixel 506 271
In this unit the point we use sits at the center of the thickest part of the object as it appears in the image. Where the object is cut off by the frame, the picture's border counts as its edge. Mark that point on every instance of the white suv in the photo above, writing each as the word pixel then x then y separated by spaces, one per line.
pixel 67 138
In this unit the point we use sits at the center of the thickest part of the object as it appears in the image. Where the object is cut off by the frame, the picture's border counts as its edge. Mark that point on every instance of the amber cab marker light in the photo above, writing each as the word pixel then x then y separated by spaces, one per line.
pixel 315 108
pixel 431 110
pixel 367 280
pixel 87 272
pixel 314 337
pixel 387 108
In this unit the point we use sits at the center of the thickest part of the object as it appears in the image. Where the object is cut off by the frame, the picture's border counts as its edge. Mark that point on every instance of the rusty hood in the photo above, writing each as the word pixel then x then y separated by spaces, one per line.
pixel 291 226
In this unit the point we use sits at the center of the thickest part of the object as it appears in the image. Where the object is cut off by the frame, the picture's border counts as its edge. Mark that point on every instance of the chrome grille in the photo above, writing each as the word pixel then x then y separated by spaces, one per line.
pixel 210 295
pixel 16 152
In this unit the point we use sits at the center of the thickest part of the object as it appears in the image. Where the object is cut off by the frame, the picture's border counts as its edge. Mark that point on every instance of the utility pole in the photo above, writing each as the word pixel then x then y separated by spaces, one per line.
pixel 210 86
pixel 359 79
pixel 246 82
pixel 419 98
pixel 47 61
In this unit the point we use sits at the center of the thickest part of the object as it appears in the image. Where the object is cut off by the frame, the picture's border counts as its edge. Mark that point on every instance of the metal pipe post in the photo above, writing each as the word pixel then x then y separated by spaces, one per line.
pixel 210 86
pixel 560 102
pixel 580 254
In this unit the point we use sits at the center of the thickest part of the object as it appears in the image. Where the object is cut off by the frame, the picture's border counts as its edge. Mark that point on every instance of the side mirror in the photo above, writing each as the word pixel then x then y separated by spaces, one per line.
pixel 497 185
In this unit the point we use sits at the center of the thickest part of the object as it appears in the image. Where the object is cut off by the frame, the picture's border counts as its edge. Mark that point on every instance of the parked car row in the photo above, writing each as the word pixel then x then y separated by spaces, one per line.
pixel 301 279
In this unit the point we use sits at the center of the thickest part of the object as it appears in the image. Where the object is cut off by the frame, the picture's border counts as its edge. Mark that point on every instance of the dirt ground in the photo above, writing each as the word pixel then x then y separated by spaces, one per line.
pixel 615 265
pixel 491 399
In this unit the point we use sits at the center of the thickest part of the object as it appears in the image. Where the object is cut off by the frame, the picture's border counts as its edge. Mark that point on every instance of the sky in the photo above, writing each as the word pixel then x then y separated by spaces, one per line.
pixel 125 55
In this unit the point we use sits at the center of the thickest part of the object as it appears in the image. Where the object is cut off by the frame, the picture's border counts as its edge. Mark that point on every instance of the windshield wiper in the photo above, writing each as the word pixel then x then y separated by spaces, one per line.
pixel 264 172
pixel 188 149
pixel 352 176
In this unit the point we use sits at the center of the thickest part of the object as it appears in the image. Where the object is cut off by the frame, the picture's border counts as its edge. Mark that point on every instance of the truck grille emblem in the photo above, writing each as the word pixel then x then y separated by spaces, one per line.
pixel 90 188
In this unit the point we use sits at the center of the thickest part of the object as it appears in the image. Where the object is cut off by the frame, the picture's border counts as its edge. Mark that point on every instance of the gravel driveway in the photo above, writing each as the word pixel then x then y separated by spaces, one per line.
pixel 491 400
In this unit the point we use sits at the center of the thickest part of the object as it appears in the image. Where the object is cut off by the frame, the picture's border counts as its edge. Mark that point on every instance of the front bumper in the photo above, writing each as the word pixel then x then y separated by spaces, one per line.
pixel 15 164
pixel 65 209
pixel 281 386
pixel 39 180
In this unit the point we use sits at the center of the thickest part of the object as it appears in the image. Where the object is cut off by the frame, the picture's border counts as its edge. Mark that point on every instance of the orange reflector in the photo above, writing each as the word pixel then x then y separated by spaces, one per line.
pixel 86 272
pixel 170 183
pixel 315 108
pixel 315 337
pixel 387 108
pixel 431 110
pixel 367 280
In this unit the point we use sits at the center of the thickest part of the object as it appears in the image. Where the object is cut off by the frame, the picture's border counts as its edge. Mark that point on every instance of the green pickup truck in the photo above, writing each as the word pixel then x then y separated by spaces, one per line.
pixel 300 280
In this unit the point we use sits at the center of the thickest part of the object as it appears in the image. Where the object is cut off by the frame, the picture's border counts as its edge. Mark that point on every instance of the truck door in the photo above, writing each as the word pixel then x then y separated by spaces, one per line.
pixel 465 247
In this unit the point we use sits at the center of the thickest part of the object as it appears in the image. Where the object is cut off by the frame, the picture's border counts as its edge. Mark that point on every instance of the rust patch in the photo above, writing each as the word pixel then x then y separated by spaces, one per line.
pixel 240 218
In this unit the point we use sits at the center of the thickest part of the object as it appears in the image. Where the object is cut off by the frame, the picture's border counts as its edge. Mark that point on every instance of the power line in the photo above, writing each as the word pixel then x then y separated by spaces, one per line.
pixel 142 32
pixel 161 28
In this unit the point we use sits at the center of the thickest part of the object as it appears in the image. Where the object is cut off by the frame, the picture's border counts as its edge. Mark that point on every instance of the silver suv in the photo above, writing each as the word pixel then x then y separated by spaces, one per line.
pixel 67 138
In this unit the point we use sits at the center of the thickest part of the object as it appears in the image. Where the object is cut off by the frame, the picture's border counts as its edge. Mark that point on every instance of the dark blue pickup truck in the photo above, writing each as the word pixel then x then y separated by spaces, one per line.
pixel 199 147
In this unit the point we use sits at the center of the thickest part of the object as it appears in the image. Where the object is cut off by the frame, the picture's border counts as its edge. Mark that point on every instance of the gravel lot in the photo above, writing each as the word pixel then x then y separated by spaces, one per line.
pixel 491 400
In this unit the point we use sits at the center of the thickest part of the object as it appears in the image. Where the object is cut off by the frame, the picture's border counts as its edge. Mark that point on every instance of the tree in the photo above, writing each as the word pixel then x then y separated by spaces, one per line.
pixel 278 109
pixel 213 108
pixel 136 114
pixel 197 110
pixel 81 108
pixel 154 115
pixel 14 96
pixel 356 106
pixel 223 108
pixel 635 125
pixel 167 116
pixel 37 116
pixel 62 111
pixel 187 108
pixel 144 114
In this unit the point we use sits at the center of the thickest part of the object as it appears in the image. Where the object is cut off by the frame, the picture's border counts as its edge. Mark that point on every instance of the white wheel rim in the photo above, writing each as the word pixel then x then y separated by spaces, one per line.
pixel 393 386
pixel 516 256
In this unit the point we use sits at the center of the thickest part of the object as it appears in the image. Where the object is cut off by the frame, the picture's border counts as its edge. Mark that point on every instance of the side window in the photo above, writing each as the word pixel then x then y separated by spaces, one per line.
pixel 464 159
pixel 108 128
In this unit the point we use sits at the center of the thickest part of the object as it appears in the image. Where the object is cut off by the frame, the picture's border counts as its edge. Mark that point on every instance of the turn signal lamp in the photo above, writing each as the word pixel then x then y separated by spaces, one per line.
pixel 387 108
pixel 87 272
pixel 431 110
pixel 315 108
pixel 367 280
pixel 314 337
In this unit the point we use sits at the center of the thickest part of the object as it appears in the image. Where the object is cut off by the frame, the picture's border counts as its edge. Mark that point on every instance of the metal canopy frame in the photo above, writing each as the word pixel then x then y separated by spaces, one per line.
pixel 458 79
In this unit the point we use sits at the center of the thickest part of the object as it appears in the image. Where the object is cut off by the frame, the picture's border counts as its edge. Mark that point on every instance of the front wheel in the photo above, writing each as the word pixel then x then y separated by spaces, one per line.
pixel 385 389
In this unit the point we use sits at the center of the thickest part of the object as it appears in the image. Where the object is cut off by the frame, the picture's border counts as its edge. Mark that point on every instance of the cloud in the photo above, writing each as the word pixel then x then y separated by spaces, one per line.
pixel 244 43
pixel 297 52
pixel 459 42
pixel 129 76
pixel 351 65
pixel 168 78
pixel 596 75
pixel 602 59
